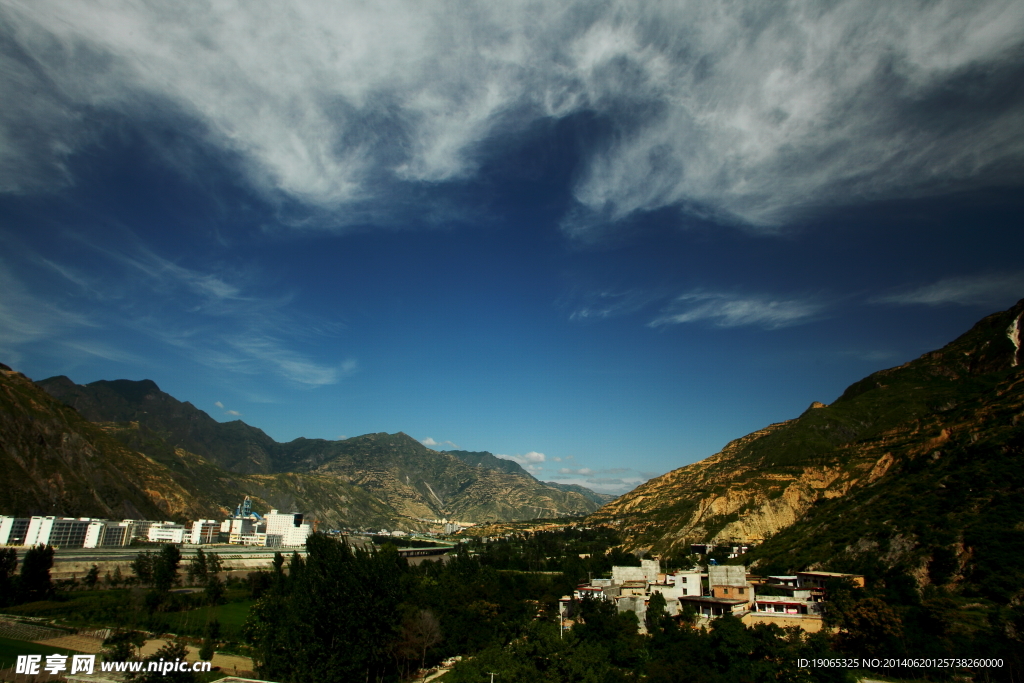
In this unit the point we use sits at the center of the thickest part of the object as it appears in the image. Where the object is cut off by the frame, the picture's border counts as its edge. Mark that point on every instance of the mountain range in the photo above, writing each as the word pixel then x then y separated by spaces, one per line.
pixel 125 448
pixel 917 467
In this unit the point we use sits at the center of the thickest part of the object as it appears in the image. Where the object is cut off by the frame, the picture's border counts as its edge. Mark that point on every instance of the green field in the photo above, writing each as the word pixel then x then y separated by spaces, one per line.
pixel 10 649
pixel 231 617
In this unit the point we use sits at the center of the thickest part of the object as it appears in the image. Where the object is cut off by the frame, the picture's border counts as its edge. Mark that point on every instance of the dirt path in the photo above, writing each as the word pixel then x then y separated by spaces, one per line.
pixel 228 663
pixel 86 644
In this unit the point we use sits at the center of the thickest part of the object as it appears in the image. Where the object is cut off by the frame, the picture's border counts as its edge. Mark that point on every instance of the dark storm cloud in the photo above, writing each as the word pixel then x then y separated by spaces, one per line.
pixel 750 114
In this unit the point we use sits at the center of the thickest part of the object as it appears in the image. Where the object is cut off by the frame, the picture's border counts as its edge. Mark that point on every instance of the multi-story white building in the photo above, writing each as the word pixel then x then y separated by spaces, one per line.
pixel 244 531
pixel 118 534
pixel 13 530
pixel 140 528
pixel 167 532
pixel 286 529
pixel 64 532
pixel 204 531
pixel 104 533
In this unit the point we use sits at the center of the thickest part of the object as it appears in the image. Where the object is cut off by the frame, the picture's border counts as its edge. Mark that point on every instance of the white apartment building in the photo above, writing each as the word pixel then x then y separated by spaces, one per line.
pixel 167 532
pixel 286 529
pixel 204 531
pixel 140 529
pixel 13 530
pixel 64 532
pixel 103 533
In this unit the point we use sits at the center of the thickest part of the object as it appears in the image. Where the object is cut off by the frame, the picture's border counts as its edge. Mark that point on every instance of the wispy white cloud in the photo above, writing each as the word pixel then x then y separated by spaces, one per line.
pixel 733 310
pixel 599 305
pixel 26 318
pixel 992 289
pixel 614 480
pixel 753 114
pixel 217 318
pixel 431 443
pixel 532 462
pixel 103 350
pixel 531 457
pixel 232 413
pixel 167 275
pixel 269 352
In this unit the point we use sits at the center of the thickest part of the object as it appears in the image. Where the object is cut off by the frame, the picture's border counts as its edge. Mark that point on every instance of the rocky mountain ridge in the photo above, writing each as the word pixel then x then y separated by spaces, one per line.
pixel 769 481
pixel 178 462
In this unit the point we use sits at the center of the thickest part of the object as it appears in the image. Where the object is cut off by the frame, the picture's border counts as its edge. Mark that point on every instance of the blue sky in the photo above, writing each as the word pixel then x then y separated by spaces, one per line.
pixel 599 238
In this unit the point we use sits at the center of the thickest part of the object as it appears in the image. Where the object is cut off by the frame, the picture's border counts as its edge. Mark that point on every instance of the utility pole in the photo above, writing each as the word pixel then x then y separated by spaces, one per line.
pixel 492 674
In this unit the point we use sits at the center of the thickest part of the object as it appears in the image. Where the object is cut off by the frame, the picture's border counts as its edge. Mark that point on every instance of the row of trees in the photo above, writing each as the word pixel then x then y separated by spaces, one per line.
pixel 344 615
pixel 161 571
pixel 33 582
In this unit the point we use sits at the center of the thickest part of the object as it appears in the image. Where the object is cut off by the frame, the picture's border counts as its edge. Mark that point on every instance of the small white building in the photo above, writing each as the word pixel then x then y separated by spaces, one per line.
pixel 167 532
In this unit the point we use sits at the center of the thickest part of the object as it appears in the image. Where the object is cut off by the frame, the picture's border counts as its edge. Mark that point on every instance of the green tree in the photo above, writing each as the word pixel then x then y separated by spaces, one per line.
pixel 8 565
pixel 35 573
pixel 840 597
pixel 338 620
pixel 210 636
pixel 871 629
pixel 197 568
pixel 123 646
pixel 656 619
pixel 213 593
pixel 165 567
pixel 142 567
pixel 214 565
pixel 279 577
pixel 92 577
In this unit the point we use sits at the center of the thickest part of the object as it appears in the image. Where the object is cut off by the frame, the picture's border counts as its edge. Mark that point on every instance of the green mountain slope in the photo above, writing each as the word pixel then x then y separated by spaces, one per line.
pixel 384 480
pixel 420 482
pixel 881 428
pixel 490 461
pixel 598 499
pixel 949 511
pixel 57 463
pixel 233 445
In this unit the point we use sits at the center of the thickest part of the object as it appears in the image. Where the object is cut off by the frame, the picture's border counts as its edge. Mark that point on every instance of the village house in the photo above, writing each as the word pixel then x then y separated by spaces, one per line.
pixel 721 589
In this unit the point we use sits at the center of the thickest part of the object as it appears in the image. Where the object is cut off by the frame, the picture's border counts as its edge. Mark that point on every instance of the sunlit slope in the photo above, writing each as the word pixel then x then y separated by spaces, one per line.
pixel 57 463
pixel 421 482
pixel 765 482
pixel 372 480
